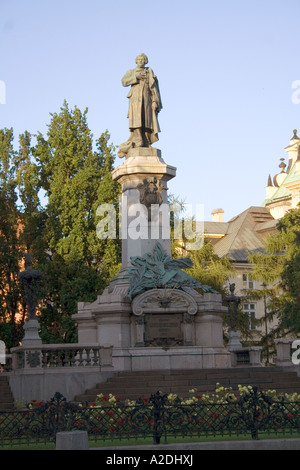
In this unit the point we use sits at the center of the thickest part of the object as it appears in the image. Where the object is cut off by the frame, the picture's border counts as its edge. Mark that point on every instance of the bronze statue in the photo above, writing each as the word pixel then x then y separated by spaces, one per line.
pixel 144 105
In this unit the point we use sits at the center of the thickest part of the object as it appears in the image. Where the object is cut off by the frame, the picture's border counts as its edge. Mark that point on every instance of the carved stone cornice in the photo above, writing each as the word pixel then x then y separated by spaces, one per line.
pixel 164 301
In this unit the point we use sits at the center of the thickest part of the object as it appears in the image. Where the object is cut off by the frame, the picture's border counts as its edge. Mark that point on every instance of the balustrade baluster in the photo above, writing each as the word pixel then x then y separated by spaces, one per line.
pixel 51 358
pixel 44 358
pixel 88 359
pixel 80 359
pixel 95 357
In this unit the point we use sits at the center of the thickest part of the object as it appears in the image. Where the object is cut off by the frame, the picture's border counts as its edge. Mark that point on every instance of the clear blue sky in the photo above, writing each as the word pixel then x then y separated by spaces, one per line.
pixel 225 71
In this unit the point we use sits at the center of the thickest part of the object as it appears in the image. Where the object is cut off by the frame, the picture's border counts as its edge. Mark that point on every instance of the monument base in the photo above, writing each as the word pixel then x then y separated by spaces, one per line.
pixel 151 314
pixel 160 329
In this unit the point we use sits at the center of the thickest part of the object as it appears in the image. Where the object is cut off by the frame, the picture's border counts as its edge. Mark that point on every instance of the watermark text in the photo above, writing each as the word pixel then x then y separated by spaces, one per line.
pixel 137 221
pixel 2 92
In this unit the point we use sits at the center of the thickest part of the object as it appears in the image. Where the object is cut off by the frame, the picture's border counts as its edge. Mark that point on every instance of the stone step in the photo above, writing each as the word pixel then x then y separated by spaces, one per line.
pixel 6 397
pixel 6 406
pixel 133 385
pixel 208 374
pixel 194 380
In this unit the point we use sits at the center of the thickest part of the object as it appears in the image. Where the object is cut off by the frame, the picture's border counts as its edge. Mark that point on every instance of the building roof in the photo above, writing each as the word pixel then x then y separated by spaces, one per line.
pixel 243 234
pixel 216 227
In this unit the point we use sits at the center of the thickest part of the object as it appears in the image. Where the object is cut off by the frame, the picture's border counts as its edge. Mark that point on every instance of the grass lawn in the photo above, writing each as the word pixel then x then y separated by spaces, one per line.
pixel 149 441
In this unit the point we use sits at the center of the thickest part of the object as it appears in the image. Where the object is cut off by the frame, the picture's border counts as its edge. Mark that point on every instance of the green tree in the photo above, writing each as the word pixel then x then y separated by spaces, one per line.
pixel 289 228
pixel 210 269
pixel 75 179
pixel 11 308
pixel 278 269
pixel 60 233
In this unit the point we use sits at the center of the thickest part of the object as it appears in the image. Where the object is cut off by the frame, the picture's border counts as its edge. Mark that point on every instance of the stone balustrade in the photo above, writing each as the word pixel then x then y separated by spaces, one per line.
pixel 49 356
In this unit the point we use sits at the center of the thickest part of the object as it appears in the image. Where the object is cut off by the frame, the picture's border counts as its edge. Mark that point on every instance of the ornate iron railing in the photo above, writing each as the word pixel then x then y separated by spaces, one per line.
pixel 157 418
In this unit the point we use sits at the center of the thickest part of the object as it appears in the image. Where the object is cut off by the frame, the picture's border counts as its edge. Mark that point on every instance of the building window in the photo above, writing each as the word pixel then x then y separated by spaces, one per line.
pixel 247 282
pixel 250 310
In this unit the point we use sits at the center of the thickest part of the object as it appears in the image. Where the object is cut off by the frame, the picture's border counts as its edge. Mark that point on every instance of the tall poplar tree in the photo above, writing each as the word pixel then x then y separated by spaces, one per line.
pixel 11 311
pixel 76 179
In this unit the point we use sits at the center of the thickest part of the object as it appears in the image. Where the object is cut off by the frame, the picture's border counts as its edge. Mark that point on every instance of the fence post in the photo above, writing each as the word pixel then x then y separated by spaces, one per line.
pixel 158 401
pixel 255 413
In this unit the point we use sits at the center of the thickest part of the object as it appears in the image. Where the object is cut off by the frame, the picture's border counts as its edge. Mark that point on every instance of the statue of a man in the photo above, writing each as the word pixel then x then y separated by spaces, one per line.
pixel 144 105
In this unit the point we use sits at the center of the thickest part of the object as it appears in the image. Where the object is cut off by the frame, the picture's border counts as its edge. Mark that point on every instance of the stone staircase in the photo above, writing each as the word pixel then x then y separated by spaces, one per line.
pixel 6 398
pixel 134 385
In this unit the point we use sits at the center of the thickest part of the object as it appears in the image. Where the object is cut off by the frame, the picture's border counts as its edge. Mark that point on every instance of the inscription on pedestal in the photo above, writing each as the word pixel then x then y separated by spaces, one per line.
pixel 163 329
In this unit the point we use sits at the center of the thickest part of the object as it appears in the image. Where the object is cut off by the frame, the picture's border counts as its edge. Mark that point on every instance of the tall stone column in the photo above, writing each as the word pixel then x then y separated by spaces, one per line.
pixel 144 205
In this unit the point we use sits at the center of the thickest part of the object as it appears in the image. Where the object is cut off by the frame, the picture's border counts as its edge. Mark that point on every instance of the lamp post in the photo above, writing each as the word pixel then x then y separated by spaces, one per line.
pixel 233 302
pixel 264 286
pixel 30 280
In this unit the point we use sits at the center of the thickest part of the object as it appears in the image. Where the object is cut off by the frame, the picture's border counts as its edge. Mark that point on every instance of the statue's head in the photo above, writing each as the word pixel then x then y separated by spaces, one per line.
pixel 141 57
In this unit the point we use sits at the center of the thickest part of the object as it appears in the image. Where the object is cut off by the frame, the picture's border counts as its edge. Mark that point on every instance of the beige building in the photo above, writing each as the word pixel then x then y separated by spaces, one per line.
pixel 283 192
pixel 246 233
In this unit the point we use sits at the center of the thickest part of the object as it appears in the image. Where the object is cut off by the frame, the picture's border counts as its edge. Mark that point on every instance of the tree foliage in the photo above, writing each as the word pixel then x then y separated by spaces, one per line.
pixel 10 247
pixel 50 190
pixel 279 269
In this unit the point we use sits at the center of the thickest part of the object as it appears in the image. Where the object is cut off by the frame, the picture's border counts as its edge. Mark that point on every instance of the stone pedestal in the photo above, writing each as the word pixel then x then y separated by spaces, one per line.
pixel 31 336
pixel 154 327
pixel 160 329
pixel 234 341
pixel 143 177
pixel 283 351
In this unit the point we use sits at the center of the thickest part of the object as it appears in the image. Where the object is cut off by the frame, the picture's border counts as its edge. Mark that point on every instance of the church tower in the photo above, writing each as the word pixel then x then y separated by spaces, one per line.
pixel 283 192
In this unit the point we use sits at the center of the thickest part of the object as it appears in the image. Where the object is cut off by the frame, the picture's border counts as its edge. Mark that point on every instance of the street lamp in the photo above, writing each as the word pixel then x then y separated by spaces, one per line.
pixel 233 302
pixel 264 286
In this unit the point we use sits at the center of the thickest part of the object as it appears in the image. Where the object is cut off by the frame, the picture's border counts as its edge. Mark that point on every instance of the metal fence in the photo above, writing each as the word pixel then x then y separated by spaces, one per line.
pixel 156 417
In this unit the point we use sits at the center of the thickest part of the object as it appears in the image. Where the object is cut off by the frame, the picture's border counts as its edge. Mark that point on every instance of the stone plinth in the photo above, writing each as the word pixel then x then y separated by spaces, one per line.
pixel 234 340
pixel 31 336
pixel 151 313
pixel 283 351
pixel 144 166
pixel 160 329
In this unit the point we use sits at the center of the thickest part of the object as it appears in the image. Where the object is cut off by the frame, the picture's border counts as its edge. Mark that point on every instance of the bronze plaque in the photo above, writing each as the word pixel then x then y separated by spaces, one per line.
pixel 163 326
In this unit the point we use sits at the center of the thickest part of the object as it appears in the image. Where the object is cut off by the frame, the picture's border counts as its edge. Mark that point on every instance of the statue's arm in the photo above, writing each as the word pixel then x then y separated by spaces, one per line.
pixel 129 78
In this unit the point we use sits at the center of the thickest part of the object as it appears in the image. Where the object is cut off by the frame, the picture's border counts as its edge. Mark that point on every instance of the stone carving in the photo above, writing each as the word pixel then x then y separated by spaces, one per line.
pixel 164 300
pixel 33 358
pixel 150 193
pixel 166 318
pixel 158 269
pixel 144 105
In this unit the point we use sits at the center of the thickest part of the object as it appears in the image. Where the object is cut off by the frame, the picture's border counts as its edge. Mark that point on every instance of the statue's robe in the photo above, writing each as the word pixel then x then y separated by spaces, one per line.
pixel 141 96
